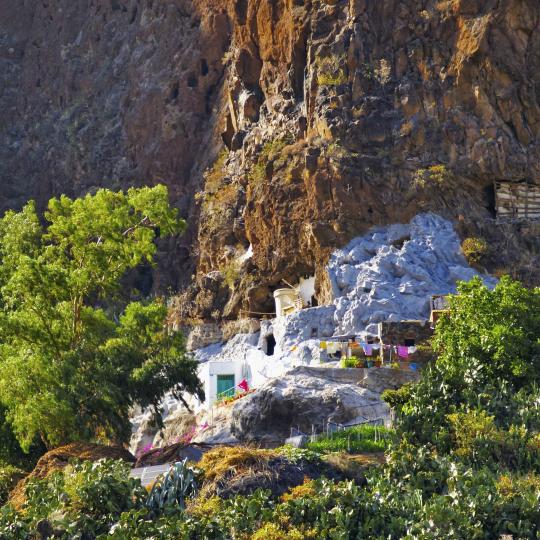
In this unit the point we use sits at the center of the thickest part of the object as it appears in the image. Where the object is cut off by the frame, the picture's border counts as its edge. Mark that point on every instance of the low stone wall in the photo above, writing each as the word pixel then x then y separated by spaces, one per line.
pixel 241 326
pixel 375 379
pixel 395 333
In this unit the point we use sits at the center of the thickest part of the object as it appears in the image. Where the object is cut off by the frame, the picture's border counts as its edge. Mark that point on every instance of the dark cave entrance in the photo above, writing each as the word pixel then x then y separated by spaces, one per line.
pixel 269 345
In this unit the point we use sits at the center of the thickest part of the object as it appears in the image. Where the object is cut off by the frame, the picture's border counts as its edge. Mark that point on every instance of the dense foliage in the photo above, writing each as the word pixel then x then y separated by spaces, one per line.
pixel 465 463
pixel 85 498
pixel 488 360
pixel 73 358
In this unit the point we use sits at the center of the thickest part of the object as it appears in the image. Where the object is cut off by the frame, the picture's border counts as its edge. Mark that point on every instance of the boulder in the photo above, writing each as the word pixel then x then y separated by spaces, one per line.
pixel 308 398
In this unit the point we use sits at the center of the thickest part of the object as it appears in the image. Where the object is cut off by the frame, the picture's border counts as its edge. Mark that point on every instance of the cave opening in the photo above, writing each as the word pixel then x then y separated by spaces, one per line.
pixel 489 197
pixel 204 67
pixel 269 345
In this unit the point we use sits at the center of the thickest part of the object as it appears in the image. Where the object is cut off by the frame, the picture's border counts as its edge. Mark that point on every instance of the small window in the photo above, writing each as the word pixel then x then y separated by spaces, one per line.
pixel 410 342
pixel 314 332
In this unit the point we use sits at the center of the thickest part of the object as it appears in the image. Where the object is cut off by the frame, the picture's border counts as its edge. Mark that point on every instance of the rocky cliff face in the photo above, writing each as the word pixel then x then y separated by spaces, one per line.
pixel 314 120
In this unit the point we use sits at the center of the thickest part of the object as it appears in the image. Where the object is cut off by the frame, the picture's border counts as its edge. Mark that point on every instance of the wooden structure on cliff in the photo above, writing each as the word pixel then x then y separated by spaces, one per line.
pixel 438 306
pixel 517 201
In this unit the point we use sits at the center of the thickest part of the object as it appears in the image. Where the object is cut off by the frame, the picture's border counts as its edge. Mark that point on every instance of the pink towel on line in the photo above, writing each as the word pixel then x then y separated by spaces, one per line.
pixel 403 351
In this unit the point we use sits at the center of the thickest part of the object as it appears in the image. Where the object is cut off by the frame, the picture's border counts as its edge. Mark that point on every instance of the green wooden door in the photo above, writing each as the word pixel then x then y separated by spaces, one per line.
pixel 225 386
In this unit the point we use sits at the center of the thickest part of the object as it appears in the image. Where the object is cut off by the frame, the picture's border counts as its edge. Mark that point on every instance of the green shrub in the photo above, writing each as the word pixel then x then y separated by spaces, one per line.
pixel 84 497
pixel 474 249
pixel 351 362
pixel 480 442
pixel 397 398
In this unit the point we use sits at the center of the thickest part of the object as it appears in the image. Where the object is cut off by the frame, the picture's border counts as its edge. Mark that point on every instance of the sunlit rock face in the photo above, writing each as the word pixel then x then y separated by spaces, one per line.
pixel 390 273
pixel 325 111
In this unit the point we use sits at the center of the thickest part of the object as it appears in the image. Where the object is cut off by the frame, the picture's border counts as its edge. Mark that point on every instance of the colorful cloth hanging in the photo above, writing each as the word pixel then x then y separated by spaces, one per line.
pixel 243 385
pixel 403 351
pixel 368 349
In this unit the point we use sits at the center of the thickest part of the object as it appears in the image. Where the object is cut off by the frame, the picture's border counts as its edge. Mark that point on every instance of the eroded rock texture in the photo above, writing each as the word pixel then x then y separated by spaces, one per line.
pixel 344 114
pixel 314 119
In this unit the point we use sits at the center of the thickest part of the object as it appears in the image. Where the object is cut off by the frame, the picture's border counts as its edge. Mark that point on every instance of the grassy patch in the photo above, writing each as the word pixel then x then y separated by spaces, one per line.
pixel 355 440
pixel 330 71
pixel 270 151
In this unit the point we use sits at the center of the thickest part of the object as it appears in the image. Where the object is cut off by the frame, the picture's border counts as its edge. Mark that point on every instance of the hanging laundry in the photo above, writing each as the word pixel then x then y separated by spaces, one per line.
pixel 412 350
pixel 403 351
pixel 322 345
pixel 368 349
pixel 243 385
pixel 376 346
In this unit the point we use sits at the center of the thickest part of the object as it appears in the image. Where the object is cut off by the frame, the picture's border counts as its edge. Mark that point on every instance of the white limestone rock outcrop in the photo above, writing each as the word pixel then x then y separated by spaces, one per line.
pixel 390 273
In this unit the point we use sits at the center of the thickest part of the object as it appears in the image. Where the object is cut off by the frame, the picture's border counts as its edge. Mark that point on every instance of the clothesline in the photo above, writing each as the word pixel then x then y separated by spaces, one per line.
pixel 333 347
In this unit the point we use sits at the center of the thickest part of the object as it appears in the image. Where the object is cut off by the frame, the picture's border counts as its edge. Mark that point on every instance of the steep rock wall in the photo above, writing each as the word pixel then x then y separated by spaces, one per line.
pixel 108 93
pixel 344 114
pixel 315 119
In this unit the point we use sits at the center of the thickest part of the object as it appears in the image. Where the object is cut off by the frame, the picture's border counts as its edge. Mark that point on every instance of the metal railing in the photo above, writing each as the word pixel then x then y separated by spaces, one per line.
pixel 226 393
pixel 329 427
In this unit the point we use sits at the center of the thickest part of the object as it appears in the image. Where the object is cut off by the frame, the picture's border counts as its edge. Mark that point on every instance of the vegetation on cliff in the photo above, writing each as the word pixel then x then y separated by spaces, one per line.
pixel 465 464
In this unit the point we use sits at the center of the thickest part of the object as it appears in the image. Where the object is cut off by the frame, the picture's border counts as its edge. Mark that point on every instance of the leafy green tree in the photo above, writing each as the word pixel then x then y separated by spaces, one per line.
pixel 489 359
pixel 492 335
pixel 71 368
